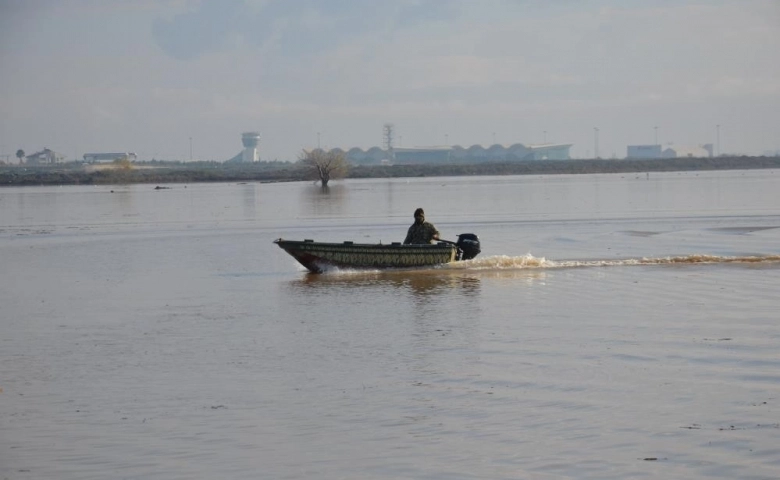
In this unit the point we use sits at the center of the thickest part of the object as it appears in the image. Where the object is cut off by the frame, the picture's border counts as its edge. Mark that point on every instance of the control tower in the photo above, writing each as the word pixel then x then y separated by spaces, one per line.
pixel 250 141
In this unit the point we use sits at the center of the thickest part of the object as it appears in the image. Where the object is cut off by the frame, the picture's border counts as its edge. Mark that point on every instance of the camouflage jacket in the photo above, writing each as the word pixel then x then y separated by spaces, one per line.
pixel 420 233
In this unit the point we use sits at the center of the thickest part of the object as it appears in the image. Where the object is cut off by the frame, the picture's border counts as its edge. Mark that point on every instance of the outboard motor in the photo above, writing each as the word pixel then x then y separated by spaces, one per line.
pixel 468 246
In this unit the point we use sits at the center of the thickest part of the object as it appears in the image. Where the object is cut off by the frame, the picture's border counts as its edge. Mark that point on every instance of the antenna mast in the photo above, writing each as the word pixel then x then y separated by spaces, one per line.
pixel 388 139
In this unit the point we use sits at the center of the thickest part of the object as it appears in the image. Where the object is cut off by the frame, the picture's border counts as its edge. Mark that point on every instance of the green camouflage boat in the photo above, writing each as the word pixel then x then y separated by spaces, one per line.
pixel 318 257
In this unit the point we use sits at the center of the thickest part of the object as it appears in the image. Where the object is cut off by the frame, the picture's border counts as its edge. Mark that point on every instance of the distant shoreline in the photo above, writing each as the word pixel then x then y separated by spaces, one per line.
pixel 209 172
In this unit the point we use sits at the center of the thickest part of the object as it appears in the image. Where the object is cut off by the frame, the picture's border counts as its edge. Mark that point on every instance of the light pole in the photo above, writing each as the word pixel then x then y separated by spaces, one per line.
pixel 190 149
pixel 717 139
pixel 446 139
pixel 544 137
pixel 596 142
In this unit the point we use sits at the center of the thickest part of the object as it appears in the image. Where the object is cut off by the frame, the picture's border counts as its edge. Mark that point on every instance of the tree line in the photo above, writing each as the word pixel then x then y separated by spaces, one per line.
pixel 309 169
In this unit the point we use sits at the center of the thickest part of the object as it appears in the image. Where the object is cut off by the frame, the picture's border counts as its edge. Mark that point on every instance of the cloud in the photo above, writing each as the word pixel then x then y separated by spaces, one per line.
pixel 301 28
pixel 103 70
pixel 207 29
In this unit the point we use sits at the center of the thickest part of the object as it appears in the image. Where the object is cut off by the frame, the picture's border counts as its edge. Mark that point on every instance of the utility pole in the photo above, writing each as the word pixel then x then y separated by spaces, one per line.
pixel 388 136
pixel 717 138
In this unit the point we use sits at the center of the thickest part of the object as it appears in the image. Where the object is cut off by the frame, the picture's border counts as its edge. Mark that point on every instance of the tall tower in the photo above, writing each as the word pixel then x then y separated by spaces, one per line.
pixel 250 141
pixel 388 137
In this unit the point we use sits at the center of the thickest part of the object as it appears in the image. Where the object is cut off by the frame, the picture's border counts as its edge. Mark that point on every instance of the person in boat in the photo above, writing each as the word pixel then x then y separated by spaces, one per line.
pixel 421 231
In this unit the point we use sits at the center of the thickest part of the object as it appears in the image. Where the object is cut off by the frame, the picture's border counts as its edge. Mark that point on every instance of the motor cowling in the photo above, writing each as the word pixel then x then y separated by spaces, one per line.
pixel 468 246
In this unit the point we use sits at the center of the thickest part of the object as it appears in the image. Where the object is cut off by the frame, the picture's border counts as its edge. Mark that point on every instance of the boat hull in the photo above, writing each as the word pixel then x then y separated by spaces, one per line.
pixel 318 256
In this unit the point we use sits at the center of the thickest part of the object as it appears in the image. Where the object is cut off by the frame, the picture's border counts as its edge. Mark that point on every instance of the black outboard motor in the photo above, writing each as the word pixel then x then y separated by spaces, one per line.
pixel 468 246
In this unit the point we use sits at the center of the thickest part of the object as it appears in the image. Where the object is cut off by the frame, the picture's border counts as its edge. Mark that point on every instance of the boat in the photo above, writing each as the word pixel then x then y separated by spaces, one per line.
pixel 319 257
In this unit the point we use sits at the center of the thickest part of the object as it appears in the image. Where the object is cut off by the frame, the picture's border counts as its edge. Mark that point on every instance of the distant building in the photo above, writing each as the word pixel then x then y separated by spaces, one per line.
pixel 423 155
pixel 372 156
pixel 549 152
pixel 702 151
pixel 45 156
pixel 249 154
pixel 108 157
pixel 458 154
pixel 250 141
pixel 644 151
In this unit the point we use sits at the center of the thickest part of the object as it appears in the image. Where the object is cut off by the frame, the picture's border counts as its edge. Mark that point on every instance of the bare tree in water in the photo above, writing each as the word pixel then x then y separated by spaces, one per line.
pixel 324 166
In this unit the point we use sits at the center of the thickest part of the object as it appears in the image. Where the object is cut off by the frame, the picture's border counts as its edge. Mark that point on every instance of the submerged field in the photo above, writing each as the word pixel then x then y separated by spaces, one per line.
pixel 615 326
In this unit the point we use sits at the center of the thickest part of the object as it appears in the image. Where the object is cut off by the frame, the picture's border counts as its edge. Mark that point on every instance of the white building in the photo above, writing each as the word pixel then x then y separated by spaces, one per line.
pixel 109 157
pixel 644 151
pixel 459 154
pixel 250 141
pixel 45 156
pixel 549 151
pixel 702 151
pixel 249 154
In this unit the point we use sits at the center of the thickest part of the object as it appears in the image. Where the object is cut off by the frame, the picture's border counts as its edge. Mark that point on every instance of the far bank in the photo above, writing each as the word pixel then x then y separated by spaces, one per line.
pixel 160 172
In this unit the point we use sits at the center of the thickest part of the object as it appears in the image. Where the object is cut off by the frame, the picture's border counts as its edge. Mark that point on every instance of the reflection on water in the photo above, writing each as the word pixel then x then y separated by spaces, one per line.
pixel 325 199
pixel 123 201
pixel 743 230
pixel 438 310
pixel 249 199
pixel 420 283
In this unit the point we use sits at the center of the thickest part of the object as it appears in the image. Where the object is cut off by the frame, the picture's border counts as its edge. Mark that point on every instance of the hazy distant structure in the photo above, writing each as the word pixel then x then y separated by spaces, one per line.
pixel 422 155
pixel 388 138
pixel 250 141
pixel 672 151
pixel 644 151
pixel 249 154
pixel 457 154
pixel 45 156
pixel 374 155
pixel 108 157
pixel 550 151
pixel 702 151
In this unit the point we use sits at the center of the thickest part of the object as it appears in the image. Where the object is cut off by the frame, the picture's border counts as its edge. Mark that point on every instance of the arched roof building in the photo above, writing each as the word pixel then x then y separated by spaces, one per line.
pixel 457 154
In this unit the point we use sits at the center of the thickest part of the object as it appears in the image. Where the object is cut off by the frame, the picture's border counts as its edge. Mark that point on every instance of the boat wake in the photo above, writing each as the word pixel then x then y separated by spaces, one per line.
pixel 503 262
pixel 529 263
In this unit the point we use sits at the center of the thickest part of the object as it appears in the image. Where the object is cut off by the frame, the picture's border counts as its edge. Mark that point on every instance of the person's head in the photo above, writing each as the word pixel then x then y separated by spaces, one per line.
pixel 419 215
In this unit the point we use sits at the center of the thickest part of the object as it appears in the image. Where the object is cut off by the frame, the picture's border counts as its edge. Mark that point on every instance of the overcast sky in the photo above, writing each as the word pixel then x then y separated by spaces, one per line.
pixel 145 76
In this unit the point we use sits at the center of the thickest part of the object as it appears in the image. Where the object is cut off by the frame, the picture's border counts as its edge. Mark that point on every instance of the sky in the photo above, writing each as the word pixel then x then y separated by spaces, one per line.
pixel 182 79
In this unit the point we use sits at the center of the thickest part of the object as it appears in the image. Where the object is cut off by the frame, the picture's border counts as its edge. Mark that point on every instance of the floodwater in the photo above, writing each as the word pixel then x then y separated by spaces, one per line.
pixel 614 326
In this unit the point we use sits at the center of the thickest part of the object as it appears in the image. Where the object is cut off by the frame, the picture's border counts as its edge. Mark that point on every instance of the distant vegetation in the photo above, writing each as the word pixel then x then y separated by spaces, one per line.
pixel 552 167
pixel 176 172
pixel 148 172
